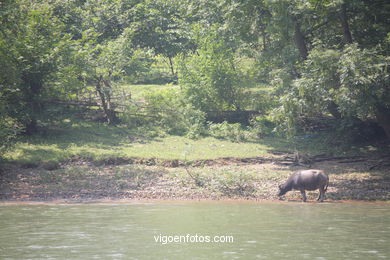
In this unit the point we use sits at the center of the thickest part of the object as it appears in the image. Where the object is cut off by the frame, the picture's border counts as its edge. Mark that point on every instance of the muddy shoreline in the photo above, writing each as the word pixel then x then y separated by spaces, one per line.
pixel 186 201
pixel 223 179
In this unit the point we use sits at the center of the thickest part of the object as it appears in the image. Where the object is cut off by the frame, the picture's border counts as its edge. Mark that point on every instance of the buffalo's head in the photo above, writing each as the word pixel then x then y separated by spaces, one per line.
pixel 282 190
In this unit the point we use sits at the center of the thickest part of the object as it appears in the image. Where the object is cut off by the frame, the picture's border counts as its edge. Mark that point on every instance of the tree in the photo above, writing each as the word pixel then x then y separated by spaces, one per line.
pixel 345 23
pixel 160 26
pixel 104 52
pixel 103 62
pixel 365 85
pixel 211 79
pixel 32 42
pixel 322 32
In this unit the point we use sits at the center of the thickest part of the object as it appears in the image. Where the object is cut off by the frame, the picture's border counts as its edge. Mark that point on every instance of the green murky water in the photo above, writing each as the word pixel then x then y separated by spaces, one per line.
pixel 146 231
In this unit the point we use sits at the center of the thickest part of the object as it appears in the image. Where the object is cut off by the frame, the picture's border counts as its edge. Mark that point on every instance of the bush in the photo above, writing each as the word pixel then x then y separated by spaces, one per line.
pixel 350 83
pixel 235 183
pixel 261 126
pixel 211 79
pixel 231 132
pixel 8 132
pixel 174 115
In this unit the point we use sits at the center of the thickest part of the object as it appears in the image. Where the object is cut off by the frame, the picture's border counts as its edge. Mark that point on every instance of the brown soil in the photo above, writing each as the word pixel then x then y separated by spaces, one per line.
pixel 83 181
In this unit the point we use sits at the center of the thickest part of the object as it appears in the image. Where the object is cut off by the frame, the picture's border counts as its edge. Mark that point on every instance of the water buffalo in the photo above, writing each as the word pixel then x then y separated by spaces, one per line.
pixel 306 180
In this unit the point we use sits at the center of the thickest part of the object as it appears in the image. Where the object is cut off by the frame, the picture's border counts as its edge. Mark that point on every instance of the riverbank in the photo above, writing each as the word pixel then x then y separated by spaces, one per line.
pixel 222 179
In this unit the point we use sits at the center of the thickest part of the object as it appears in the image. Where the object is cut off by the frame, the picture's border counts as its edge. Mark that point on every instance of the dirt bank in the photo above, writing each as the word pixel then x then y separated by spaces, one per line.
pixel 236 179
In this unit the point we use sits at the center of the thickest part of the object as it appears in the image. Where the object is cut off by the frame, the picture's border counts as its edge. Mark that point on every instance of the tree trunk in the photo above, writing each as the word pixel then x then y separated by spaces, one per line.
pixel 32 93
pixel 31 127
pixel 382 114
pixel 345 24
pixel 105 98
pixel 112 115
pixel 32 123
pixel 301 45
pixel 299 39
pixel 171 66
pixel 333 110
pixel 263 15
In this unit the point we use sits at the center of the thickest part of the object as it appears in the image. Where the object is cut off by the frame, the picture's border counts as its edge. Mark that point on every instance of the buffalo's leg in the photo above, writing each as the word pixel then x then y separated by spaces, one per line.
pixel 321 195
pixel 303 195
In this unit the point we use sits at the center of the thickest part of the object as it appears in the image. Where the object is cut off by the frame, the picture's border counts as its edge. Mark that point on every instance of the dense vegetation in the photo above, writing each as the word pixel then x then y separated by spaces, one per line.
pixel 265 66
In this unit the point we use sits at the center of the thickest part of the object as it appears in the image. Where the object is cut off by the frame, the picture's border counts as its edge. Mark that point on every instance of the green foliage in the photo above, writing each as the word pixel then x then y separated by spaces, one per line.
pixel 51 51
pixel 364 81
pixel 231 132
pixel 9 129
pixel 33 48
pixel 138 68
pixel 355 80
pixel 106 18
pixel 260 98
pixel 159 25
pixel 174 115
pixel 210 77
pixel 319 81
pixel 262 126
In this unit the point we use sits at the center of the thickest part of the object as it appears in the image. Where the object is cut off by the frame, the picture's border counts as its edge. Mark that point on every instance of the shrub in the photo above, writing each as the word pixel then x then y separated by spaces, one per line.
pixel 349 83
pixel 9 129
pixel 174 115
pixel 231 132
pixel 261 126
pixel 235 183
pixel 210 77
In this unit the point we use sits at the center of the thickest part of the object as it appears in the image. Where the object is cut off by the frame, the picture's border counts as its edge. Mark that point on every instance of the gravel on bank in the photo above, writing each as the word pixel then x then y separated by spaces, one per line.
pixel 83 181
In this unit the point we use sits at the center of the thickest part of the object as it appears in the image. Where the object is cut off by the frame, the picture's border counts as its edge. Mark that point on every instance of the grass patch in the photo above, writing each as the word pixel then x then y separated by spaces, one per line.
pixel 71 138
pixel 171 147
pixel 138 92
pixel 97 141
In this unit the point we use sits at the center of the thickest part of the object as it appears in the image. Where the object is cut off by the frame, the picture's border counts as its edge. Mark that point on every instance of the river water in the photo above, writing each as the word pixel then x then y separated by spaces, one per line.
pixel 195 230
